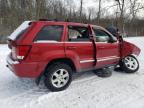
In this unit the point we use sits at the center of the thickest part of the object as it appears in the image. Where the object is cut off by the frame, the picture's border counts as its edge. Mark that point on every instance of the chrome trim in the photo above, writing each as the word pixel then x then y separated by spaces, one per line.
pixel 100 59
pixel 106 42
pixel 107 58
pixel 20 57
pixel 86 61
pixel 43 41
pixel 53 41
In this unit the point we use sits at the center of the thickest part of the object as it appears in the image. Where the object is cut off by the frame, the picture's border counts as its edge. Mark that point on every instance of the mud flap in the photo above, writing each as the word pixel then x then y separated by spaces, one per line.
pixel 37 80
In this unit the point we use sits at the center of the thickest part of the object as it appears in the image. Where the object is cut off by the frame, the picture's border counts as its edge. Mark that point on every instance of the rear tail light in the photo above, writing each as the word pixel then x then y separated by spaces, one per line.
pixel 20 52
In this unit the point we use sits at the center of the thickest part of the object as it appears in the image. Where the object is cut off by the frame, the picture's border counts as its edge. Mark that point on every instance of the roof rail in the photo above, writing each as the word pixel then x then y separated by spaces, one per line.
pixel 66 20
pixel 49 20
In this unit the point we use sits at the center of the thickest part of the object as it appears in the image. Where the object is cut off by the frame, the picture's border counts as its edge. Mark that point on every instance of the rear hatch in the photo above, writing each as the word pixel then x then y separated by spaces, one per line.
pixel 19 31
pixel 19 52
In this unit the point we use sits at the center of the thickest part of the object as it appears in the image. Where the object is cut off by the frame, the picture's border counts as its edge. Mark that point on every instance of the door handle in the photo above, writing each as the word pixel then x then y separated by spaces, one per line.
pixel 71 47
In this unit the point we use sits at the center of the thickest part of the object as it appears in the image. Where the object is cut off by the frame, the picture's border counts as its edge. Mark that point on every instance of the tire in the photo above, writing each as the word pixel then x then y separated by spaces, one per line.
pixel 105 72
pixel 58 77
pixel 129 64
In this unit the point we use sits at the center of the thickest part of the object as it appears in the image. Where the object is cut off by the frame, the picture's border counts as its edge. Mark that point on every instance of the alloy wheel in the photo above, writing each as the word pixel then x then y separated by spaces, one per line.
pixel 60 78
pixel 131 62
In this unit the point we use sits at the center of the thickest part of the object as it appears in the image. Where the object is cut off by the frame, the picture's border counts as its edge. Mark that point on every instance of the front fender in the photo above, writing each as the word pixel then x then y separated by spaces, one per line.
pixel 129 49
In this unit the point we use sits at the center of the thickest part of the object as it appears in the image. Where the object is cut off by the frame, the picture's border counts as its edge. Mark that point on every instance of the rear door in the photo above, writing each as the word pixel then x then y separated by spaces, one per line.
pixel 79 47
pixel 48 43
pixel 107 48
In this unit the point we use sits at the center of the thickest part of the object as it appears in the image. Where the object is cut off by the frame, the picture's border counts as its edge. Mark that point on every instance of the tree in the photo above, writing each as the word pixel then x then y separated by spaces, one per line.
pixel 14 12
pixel 99 12
pixel 81 9
pixel 121 4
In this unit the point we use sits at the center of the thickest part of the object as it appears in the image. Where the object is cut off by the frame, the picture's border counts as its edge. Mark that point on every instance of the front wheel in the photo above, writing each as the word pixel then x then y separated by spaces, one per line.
pixel 129 64
pixel 58 77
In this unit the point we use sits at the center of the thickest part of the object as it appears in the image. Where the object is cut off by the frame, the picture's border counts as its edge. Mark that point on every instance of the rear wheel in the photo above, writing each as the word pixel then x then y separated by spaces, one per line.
pixel 58 77
pixel 129 64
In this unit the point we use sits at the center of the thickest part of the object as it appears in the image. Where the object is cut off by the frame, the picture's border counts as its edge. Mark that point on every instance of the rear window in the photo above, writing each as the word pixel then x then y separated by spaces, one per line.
pixel 20 30
pixel 51 32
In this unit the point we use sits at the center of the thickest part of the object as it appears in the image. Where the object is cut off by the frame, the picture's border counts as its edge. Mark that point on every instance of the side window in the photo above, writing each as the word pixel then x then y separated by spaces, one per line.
pixel 101 36
pixel 52 32
pixel 77 33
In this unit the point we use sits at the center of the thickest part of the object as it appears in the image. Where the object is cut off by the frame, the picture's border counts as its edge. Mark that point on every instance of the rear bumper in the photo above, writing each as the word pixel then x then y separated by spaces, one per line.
pixel 24 69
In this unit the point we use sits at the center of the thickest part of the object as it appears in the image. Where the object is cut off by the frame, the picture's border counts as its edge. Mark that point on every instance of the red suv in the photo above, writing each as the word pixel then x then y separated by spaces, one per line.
pixel 55 50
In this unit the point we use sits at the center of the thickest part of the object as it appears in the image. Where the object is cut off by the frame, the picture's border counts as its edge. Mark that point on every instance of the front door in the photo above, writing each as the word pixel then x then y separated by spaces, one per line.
pixel 79 46
pixel 107 48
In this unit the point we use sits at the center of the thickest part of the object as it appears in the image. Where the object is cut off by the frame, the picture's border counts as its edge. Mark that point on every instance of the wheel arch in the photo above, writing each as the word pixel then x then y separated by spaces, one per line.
pixel 129 70
pixel 63 60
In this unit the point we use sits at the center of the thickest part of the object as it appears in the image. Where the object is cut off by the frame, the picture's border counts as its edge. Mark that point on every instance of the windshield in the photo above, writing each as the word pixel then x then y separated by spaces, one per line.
pixel 19 30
